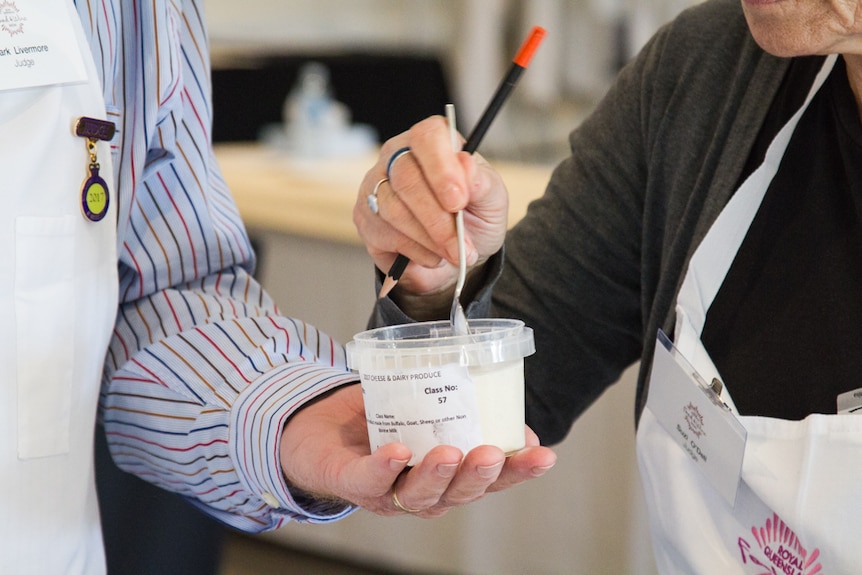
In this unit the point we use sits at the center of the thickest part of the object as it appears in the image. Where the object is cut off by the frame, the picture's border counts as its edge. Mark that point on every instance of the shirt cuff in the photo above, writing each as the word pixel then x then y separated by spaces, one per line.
pixel 257 421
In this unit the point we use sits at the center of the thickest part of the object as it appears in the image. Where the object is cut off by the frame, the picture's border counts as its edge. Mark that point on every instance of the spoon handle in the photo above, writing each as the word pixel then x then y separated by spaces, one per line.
pixel 457 317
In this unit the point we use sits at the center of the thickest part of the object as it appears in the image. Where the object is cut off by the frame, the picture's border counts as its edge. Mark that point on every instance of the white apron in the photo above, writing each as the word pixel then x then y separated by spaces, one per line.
pixel 799 502
pixel 58 299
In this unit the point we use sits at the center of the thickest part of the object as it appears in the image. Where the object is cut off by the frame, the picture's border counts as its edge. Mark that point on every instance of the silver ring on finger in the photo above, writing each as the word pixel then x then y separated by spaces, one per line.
pixel 394 158
pixel 371 199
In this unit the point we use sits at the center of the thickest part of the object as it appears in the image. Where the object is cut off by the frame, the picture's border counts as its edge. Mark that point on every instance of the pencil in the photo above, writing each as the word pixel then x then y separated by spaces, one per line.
pixel 519 64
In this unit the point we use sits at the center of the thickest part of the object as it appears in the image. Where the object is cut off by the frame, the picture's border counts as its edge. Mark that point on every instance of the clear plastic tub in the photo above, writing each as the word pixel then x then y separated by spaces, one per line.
pixel 424 386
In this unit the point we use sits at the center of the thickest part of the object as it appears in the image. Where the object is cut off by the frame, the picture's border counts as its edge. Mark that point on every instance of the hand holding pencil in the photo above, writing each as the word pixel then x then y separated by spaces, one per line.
pixel 405 204
pixel 416 208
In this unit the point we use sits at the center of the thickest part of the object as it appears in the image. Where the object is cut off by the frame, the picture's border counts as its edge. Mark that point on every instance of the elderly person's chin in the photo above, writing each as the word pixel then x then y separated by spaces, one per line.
pixel 805 27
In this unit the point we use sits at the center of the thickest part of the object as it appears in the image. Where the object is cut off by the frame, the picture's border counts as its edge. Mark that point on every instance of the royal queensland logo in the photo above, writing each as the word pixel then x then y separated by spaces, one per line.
pixel 777 551
pixel 694 420
pixel 11 18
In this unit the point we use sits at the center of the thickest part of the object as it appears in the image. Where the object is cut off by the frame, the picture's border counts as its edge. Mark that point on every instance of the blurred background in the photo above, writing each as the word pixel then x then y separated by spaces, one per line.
pixel 397 43
pixel 303 136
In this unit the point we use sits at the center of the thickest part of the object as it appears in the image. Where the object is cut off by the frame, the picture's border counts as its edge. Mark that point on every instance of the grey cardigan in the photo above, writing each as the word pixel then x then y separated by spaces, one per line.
pixel 595 265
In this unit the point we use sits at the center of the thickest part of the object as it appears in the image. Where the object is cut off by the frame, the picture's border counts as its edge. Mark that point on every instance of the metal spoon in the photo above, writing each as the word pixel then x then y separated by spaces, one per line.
pixel 457 317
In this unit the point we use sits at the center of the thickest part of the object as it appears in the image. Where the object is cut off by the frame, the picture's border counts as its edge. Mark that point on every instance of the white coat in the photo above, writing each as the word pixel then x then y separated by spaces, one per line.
pixel 58 299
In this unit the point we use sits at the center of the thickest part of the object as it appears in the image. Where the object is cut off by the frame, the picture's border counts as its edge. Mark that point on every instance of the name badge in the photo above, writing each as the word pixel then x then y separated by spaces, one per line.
pixel 850 402
pixel 38 45
pixel 692 413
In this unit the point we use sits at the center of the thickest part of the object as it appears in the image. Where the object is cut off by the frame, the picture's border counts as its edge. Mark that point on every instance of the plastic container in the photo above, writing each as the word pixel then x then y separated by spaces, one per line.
pixel 424 386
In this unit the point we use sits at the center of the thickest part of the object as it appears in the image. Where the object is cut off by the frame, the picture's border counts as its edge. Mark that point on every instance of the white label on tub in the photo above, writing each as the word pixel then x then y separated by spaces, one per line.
pixel 422 408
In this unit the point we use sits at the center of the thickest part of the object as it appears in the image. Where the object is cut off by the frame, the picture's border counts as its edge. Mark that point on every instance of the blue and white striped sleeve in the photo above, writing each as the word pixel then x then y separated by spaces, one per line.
pixel 203 370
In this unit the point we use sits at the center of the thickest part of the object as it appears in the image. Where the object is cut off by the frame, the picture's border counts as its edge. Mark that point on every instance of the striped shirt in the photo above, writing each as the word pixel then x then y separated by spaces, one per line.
pixel 203 370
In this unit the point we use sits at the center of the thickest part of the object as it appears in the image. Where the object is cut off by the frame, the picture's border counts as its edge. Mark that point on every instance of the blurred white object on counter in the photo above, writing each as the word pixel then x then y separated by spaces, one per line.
pixel 315 124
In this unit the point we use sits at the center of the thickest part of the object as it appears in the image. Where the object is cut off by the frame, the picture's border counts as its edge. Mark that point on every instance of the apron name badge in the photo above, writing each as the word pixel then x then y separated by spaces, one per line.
pixel 692 413
pixel 850 401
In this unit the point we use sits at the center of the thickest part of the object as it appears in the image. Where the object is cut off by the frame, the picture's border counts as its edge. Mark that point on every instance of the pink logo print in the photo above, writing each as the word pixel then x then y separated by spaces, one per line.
pixel 11 20
pixel 779 551
pixel 694 420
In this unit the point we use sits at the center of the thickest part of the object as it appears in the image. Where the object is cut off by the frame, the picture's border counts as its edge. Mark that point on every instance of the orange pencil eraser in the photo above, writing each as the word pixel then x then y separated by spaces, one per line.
pixel 525 54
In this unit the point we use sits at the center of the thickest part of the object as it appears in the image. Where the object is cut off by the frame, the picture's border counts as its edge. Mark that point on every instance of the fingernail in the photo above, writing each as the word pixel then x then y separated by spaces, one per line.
pixel 453 192
pixel 489 471
pixel 447 469
pixel 539 471
pixel 398 464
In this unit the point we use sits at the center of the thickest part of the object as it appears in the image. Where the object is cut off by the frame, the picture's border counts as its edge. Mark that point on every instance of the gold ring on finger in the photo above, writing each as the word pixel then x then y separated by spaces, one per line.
pixel 398 503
